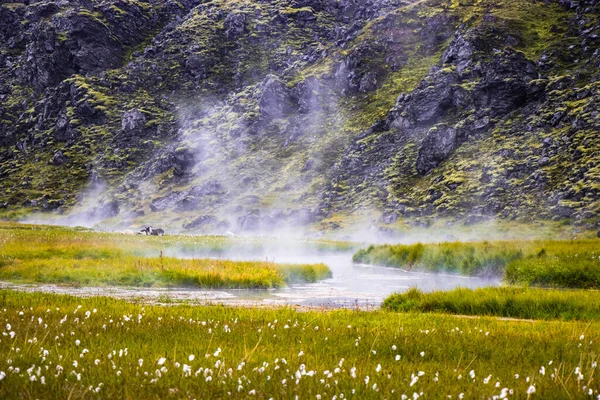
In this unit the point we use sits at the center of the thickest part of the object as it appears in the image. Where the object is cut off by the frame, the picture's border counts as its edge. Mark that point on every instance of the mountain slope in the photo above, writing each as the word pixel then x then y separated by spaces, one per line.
pixel 229 115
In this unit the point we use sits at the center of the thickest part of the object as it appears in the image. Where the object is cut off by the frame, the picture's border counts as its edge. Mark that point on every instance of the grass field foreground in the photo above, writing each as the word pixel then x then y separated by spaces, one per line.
pixel 65 347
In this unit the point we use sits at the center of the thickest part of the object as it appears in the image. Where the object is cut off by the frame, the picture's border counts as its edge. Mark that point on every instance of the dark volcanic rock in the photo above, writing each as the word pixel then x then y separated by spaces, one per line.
pixel 275 98
pixel 202 221
pixel 133 120
pixel 59 158
pixel 435 147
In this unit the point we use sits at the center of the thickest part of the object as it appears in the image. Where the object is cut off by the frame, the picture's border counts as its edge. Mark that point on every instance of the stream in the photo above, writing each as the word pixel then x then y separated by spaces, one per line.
pixel 351 286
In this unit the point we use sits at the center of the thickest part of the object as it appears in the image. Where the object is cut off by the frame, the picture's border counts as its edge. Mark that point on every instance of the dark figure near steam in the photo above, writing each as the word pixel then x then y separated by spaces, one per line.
pixel 151 231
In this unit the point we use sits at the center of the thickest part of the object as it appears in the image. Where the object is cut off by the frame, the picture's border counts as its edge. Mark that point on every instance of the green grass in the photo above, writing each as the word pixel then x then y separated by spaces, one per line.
pixel 40 254
pixel 546 263
pixel 67 347
pixel 502 302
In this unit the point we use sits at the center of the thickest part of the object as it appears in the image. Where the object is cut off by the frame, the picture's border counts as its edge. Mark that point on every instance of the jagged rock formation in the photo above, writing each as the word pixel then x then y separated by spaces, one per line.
pixel 244 115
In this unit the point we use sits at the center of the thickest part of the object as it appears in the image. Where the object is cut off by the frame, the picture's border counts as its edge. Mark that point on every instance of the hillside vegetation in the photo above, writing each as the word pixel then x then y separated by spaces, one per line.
pixel 230 115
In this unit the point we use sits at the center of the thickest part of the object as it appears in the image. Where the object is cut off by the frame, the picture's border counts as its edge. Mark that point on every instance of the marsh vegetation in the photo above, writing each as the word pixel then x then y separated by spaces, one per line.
pixel 545 263
pixel 46 254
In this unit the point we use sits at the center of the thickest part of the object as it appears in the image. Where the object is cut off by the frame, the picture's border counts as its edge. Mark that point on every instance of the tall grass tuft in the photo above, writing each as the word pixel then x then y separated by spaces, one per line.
pixel 508 302
pixel 550 263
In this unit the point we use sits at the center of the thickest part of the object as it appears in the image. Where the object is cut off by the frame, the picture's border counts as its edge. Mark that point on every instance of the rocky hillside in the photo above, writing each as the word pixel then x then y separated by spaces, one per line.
pixel 248 115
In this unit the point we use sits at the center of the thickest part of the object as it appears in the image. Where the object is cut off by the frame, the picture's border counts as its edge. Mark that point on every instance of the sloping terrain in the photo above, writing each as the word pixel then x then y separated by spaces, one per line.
pixel 231 115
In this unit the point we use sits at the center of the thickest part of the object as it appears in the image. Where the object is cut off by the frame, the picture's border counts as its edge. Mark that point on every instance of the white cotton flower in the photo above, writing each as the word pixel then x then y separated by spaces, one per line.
pixel 422 354
pixel 394 347
pixel 531 390
pixel 191 357
pixel 397 357
pixel 141 362
pixel 472 374
pixel 161 361
pixel 8 327
pixel 216 353
pixel 301 353
pixel 378 368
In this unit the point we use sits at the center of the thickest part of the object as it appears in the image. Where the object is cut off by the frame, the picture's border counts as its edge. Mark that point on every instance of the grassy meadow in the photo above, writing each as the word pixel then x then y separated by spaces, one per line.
pixel 545 263
pixel 48 254
pixel 65 347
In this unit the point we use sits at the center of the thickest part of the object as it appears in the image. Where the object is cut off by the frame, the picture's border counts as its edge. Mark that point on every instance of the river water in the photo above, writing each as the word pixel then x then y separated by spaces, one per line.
pixel 351 286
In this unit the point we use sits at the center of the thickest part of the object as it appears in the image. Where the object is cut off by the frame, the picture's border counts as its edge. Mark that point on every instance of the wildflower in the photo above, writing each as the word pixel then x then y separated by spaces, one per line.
pixel 301 353
pixel 543 370
pixel 531 390
pixel 353 372
pixel 96 361
pixel 77 342
pixel 161 361
pixel 216 353
pixel 141 362
pixel 394 347
pixel 191 357
pixel 8 327
pixel 378 368
pixel 414 379
pixel 397 357
pixel 422 354
pixel 472 374
pixel 252 392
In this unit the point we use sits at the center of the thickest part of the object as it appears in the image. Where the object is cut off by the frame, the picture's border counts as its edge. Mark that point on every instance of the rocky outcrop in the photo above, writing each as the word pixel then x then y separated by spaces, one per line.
pixel 435 147
pixel 304 107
